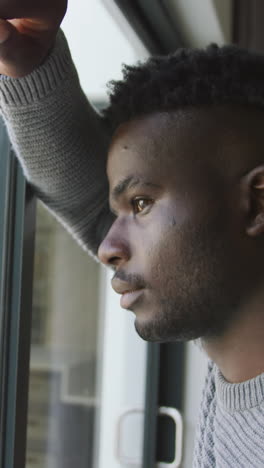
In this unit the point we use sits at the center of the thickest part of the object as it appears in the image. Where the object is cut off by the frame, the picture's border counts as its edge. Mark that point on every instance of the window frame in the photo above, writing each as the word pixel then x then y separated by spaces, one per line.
pixel 17 237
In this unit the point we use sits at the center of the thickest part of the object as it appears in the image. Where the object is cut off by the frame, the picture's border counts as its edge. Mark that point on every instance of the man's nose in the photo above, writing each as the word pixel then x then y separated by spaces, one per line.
pixel 114 250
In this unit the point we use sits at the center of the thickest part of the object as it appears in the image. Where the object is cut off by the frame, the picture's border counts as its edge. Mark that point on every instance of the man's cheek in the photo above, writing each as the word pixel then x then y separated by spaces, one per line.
pixel 161 261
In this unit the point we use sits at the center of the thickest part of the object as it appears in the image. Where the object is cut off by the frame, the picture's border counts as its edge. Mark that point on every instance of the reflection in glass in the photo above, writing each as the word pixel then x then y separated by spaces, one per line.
pixel 62 396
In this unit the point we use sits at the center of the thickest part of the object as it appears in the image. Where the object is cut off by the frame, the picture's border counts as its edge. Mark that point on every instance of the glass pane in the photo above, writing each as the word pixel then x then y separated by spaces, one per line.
pixel 62 395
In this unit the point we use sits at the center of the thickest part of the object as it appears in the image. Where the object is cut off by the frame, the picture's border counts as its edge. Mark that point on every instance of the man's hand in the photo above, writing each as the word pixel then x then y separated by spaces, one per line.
pixel 27 33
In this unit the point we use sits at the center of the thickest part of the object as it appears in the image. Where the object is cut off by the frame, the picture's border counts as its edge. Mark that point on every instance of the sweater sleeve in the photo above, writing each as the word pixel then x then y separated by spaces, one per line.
pixel 61 143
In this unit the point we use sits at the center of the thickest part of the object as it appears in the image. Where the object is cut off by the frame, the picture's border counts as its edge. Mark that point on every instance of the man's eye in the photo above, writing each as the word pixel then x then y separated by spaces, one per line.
pixel 140 204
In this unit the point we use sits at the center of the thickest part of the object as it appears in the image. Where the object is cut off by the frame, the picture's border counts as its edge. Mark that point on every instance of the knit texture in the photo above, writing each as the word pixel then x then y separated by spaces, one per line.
pixel 230 432
pixel 61 143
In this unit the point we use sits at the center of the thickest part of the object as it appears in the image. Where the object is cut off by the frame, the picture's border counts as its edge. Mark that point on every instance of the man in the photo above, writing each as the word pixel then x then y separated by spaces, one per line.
pixel 182 142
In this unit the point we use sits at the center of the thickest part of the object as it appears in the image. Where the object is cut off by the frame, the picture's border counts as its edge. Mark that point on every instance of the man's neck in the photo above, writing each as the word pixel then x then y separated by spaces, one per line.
pixel 239 354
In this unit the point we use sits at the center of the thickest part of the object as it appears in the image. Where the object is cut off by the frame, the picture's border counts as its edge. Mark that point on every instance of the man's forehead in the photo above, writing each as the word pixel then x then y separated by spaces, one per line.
pixel 150 136
pixel 195 119
pixel 143 131
pixel 152 125
pixel 159 137
pixel 223 138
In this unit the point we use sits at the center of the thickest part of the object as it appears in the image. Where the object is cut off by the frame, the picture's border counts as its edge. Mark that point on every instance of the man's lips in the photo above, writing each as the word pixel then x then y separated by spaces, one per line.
pixel 129 298
pixel 130 292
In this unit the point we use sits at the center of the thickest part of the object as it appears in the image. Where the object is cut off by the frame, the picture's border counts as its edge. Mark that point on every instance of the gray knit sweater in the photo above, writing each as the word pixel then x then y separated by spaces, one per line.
pixel 61 143
pixel 230 432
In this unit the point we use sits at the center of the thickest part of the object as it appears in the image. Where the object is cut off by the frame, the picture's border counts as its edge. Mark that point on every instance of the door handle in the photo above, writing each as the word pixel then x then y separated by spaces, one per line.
pixel 172 413
pixel 175 415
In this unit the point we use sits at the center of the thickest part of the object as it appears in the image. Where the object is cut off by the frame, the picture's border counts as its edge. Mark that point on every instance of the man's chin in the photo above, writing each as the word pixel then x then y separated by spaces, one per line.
pixel 156 333
pixel 148 336
pixel 158 324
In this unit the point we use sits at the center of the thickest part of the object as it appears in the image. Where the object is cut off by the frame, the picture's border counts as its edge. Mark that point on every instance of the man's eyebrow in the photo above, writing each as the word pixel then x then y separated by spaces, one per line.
pixel 128 183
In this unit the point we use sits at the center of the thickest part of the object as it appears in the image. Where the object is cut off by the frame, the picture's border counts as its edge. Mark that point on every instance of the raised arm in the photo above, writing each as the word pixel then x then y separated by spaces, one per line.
pixel 58 137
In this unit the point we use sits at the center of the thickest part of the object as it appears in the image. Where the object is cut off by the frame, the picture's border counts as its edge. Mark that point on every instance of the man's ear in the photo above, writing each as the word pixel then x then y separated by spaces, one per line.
pixel 254 188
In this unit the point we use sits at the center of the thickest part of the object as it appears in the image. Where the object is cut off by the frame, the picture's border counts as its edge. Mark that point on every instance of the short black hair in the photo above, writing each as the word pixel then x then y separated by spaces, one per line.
pixel 188 77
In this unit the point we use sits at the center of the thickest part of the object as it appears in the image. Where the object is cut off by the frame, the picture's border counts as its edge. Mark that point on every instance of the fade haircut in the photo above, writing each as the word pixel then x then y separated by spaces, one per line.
pixel 188 77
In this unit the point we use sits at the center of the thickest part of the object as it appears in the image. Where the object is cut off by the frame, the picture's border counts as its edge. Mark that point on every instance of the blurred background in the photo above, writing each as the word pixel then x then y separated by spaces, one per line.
pixel 98 395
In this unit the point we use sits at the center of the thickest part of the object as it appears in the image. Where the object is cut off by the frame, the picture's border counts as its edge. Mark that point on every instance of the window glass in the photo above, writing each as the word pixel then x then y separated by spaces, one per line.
pixel 62 395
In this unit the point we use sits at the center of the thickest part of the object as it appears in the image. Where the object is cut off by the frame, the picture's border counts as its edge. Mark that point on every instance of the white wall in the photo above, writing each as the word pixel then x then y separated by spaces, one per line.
pixel 98 45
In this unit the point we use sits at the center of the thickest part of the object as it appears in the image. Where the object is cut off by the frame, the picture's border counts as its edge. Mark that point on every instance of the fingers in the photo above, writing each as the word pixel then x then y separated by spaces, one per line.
pixel 5 31
pixel 20 54
pixel 27 33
